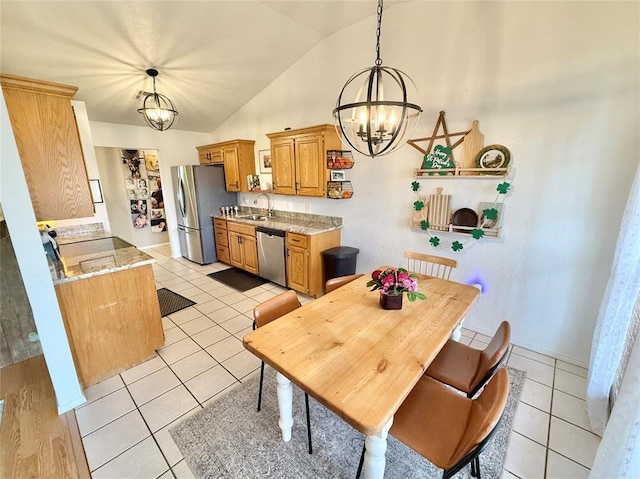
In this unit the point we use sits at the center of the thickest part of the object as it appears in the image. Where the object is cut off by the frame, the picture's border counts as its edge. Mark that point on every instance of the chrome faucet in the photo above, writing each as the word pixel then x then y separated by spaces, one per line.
pixel 268 203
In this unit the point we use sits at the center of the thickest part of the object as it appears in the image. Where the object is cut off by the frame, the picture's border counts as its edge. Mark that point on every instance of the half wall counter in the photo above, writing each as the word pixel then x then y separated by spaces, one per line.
pixel 108 300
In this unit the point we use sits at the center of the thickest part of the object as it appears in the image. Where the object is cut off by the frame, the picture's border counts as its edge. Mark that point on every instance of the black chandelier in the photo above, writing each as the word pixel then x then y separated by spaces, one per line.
pixel 381 118
pixel 157 110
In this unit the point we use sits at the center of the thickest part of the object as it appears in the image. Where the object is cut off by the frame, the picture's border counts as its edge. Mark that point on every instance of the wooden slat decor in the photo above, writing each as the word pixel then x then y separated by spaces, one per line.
pixel 438 215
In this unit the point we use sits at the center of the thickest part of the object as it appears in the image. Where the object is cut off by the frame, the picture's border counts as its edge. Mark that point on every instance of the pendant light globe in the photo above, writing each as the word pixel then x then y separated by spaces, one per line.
pixel 156 109
pixel 378 108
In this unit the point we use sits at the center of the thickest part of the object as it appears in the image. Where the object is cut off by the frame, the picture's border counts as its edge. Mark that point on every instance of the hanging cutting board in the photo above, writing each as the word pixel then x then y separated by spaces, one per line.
pixel 471 145
pixel 439 211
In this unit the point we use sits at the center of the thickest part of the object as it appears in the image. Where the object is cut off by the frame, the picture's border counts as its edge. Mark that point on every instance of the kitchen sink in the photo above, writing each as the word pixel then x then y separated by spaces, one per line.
pixel 252 217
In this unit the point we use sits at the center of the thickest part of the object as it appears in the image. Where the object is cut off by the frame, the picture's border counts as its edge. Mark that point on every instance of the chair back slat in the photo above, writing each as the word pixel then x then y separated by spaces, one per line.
pixel 430 265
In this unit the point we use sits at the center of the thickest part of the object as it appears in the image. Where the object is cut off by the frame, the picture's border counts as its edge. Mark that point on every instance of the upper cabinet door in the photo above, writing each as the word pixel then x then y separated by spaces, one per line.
pixel 310 165
pixel 48 141
pixel 231 169
pixel 283 166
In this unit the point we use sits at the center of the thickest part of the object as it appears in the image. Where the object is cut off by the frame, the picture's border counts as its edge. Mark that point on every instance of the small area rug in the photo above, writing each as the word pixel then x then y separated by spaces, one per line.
pixel 171 302
pixel 230 439
pixel 237 279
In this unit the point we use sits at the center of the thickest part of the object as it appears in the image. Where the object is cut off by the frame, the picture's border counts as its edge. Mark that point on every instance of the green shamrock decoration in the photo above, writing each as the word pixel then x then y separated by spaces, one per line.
pixel 435 241
pixel 456 246
pixel 415 186
pixel 418 205
pixel 424 225
pixel 503 188
pixel 490 213
pixel 477 233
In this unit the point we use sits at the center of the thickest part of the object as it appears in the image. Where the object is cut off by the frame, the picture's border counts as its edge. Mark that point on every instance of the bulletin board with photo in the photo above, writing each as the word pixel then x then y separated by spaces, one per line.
pixel 144 189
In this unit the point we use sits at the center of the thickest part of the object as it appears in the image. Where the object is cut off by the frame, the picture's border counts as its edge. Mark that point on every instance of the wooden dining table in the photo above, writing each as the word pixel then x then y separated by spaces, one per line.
pixel 357 359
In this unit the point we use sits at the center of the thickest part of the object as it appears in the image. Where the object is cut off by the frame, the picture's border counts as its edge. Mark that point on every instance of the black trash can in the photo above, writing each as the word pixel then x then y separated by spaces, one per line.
pixel 339 261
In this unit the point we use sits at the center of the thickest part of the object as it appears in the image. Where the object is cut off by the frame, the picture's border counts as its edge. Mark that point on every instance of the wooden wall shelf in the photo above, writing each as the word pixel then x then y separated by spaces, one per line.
pixel 458 173
pixel 461 230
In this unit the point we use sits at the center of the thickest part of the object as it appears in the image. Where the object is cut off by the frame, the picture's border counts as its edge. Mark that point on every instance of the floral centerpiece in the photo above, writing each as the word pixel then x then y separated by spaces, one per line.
pixel 395 281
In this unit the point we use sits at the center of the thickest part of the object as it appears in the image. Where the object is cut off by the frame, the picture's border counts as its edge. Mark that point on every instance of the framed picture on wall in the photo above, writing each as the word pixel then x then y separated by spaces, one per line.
pixel 264 158
pixel 338 175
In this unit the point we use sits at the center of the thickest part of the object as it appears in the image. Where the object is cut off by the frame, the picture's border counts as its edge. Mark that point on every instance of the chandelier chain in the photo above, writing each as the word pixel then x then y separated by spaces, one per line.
pixel 378 28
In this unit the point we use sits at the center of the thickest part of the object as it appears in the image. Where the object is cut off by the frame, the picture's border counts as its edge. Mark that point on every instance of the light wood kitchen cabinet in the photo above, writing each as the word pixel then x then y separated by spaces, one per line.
pixel 221 235
pixel 209 154
pixel 238 159
pixel 46 133
pixel 305 264
pixel 243 247
pixel 112 320
pixel 299 160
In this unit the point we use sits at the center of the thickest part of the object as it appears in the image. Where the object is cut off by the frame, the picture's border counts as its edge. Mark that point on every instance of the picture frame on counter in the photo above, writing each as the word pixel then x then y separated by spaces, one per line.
pixel 96 191
pixel 264 160
pixel 338 175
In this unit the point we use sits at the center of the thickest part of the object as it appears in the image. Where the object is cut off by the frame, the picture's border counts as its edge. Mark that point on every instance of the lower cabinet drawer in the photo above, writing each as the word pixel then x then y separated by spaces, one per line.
pixel 294 239
pixel 222 252
pixel 221 238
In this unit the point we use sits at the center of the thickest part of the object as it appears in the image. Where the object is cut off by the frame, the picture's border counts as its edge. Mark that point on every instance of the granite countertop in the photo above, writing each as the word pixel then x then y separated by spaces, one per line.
pixel 86 256
pixel 301 223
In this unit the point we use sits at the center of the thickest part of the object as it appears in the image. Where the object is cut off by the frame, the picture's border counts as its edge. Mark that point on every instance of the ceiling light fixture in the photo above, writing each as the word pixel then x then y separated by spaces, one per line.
pixel 381 117
pixel 157 110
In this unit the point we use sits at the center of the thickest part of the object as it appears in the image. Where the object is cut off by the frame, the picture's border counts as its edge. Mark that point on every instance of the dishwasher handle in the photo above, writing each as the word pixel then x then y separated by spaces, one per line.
pixel 271 231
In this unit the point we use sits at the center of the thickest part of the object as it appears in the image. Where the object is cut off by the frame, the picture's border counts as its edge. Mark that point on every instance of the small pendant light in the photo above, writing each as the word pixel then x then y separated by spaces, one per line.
pixel 157 110
pixel 381 117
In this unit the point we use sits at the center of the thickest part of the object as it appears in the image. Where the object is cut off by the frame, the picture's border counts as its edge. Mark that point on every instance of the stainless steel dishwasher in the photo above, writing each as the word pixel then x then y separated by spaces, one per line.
pixel 271 255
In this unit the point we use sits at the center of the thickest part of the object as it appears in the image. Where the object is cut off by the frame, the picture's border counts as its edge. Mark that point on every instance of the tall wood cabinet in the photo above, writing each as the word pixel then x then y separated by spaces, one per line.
pixel 238 158
pixel 305 263
pixel 46 133
pixel 299 160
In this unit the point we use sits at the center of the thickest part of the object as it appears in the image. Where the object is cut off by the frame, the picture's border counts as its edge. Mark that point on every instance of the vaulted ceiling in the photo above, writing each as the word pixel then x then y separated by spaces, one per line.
pixel 213 56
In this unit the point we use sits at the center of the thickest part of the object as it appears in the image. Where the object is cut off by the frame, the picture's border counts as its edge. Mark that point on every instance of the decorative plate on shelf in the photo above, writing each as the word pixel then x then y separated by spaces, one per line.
pixel 464 217
pixel 493 156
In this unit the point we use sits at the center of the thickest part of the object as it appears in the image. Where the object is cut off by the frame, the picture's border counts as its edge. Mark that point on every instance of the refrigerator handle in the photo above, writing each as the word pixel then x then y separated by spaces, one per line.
pixel 181 199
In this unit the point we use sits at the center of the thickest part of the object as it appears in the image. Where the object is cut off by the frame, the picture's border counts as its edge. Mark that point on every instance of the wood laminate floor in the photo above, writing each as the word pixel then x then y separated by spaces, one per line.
pixel 34 441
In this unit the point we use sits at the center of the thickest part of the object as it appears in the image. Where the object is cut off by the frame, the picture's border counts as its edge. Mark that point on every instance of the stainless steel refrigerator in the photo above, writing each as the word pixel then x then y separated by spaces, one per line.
pixel 199 193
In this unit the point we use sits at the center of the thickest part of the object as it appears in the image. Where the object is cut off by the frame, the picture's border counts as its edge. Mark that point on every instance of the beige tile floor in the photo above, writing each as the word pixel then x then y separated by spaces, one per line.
pixel 126 420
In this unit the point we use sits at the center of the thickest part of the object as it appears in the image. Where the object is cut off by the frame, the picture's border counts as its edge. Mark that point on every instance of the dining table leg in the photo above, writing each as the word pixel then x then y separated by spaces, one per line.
pixel 375 450
pixel 285 406
pixel 457 332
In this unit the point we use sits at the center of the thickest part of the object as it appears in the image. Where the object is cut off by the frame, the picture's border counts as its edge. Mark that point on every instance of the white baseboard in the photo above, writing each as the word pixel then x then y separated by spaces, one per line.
pixel 72 404
pixel 531 347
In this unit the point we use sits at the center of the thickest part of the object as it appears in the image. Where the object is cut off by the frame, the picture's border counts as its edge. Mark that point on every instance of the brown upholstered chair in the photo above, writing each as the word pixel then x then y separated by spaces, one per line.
pixel 447 428
pixel 468 369
pixel 263 314
pixel 430 265
pixel 335 283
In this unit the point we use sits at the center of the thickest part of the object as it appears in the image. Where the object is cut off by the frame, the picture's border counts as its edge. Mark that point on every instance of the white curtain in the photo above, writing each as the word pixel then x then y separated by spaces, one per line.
pixel 615 321
pixel 619 453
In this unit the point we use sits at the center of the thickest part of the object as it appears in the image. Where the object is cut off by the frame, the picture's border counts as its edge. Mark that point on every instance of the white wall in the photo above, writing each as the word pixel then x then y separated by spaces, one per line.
pixel 555 82
pixel 175 147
